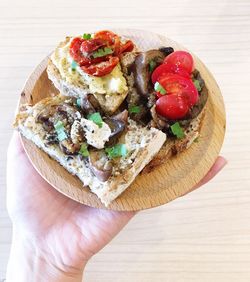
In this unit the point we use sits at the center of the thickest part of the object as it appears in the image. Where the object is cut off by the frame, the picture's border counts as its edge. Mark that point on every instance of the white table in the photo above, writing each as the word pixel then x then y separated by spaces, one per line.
pixel 204 236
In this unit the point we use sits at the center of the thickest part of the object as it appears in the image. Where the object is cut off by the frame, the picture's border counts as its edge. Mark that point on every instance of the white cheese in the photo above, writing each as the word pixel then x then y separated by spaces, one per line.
pixel 112 83
pixel 96 136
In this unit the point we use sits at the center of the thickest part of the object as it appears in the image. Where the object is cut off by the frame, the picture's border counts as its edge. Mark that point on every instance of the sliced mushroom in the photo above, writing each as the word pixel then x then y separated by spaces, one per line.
pixel 44 116
pixel 123 116
pixel 68 147
pixel 166 50
pixel 116 126
pixel 68 111
pixel 100 165
pixel 142 73
pixel 86 105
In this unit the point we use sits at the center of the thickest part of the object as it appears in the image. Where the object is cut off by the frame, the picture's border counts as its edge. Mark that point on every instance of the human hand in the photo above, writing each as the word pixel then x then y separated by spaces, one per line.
pixel 54 236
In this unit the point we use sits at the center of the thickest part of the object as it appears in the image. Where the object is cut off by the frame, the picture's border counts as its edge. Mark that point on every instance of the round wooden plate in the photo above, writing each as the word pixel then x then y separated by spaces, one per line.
pixel 169 181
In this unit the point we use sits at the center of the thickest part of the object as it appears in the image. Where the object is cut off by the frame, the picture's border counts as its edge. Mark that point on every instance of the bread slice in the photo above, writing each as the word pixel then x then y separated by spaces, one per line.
pixel 142 143
pixel 175 146
pixel 71 83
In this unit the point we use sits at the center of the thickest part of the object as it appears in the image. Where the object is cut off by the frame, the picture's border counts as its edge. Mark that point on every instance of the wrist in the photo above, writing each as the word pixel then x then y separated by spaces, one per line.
pixel 28 262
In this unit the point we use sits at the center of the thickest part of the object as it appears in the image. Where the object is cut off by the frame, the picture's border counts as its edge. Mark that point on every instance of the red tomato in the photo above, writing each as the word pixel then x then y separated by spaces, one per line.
pixel 109 36
pixel 164 69
pixel 102 68
pixel 82 49
pixel 172 106
pixel 178 85
pixel 181 59
pixel 76 53
pixel 127 47
pixel 91 45
pixel 111 39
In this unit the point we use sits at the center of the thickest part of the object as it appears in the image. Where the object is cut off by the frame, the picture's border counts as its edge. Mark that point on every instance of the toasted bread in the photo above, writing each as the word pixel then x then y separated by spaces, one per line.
pixel 142 144
pixel 175 146
pixel 77 88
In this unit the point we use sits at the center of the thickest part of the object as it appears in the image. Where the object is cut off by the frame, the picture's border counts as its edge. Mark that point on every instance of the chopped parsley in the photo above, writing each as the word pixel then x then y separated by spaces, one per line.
pixel 197 85
pixel 196 140
pixel 177 130
pixel 159 88
pixel 78 102
pixel 134 109
pixel 152 65
pixel 86 36
pixel 73 65
pixel 96 118
pixel 60 130
pixel 84 150
pixel 102 52
pixel 119 150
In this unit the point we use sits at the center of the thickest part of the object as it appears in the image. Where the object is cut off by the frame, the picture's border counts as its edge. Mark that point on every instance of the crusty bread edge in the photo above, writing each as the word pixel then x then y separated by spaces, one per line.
pixel 174 147
pixel 108 191
pixel 125 179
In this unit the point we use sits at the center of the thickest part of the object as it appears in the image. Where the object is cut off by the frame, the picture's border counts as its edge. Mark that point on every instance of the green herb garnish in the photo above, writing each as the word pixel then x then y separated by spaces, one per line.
pixel 197 85
pixel 78 102
pixel 119 150
pixel 177 130
pixel 73 65
pixel 60 130
pixel 159 88
pixel 196 140
pixel 96 118
pixel 152 65
pixel 134 109
pixel 86 36
pixel 102 52
pixel 84 150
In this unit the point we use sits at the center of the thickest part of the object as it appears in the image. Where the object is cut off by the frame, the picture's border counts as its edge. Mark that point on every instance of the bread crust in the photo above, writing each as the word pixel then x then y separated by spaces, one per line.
pixel 116 184
pixel 109 103
pixel 173 147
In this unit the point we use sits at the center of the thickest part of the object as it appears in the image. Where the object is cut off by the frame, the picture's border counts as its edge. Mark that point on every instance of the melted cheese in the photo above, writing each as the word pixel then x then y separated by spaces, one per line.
pixel 111 83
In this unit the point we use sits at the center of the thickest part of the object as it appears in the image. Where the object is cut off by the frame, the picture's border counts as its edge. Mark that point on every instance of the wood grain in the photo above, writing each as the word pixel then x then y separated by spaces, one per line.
pixel 204 236
pixel 173 179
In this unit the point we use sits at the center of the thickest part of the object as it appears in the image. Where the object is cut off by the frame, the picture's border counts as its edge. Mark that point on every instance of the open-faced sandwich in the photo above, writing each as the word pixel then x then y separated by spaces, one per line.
pixel 120 111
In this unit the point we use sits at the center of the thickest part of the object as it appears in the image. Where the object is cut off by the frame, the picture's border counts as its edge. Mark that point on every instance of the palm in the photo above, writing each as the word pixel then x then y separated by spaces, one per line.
pixel 73 232
pixel 67 232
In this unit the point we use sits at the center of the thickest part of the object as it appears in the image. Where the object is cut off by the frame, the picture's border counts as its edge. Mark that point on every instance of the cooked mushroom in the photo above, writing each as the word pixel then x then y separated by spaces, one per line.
pixel 123 116
pixel 100 165
pixel 166 50
pixel 68 147
pixel 116 126
pixel 68 110
pixel 44 117
pixel 142 73
pixel 46 113
pixel 86 105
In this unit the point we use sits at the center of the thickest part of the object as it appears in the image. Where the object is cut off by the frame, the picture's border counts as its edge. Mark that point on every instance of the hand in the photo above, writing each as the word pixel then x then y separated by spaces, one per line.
pixel 52 232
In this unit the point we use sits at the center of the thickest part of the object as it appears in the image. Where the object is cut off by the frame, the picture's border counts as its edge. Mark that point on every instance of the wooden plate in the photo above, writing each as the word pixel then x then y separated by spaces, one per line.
pixel 171 180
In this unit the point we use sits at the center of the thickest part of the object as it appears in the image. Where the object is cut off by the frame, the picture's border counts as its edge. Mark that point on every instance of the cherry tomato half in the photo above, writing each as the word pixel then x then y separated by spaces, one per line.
pixel 172 106
pixel 76 53
pixel 181 59
pixel 178 85
pixel 111 39
pixel 102 68
pixel 164 69
pixel 127 47
pixel 91 45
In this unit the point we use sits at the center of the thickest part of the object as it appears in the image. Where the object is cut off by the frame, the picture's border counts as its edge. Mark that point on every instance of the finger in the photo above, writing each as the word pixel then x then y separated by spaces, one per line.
pixel 15 146
pixel 214 170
